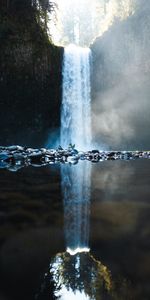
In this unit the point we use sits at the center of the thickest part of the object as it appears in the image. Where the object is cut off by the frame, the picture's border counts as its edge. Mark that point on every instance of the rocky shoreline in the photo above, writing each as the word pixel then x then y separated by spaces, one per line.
pixel 14 158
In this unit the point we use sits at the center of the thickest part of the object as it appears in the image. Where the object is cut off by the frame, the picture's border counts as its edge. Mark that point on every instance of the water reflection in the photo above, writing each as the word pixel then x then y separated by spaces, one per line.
pixel 76 186
pixel 79 277
pixel 75 273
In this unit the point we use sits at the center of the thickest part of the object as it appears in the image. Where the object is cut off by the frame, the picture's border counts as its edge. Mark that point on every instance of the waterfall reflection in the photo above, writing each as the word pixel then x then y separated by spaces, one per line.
pixel 76 186
pixel 75 274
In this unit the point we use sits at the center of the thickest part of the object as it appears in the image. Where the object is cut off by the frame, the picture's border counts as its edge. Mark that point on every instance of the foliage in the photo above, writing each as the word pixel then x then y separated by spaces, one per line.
pixel 71 146
pixel 28 10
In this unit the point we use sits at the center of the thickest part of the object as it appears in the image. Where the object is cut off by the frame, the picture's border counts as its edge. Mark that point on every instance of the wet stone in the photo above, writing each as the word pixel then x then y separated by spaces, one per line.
pixel 15 157
pixel 14 148
pixel 95 151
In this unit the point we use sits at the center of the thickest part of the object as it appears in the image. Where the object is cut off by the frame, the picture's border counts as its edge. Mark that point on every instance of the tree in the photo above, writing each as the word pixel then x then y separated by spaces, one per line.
pixel 46 8
pixel 39 10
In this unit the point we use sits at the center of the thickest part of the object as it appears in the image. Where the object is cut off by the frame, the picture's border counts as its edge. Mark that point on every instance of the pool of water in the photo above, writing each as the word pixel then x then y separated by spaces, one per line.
pixel 34 263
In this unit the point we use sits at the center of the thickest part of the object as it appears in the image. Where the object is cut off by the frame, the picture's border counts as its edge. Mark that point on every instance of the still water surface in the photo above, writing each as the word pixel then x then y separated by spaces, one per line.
pixel 116 219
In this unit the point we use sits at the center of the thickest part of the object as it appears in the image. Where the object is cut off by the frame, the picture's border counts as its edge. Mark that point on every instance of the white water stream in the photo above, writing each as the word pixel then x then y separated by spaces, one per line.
pixel 76 98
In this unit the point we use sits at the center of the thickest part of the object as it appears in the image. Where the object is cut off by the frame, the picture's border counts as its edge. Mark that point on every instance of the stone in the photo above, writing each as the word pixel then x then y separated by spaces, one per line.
pixel 72 160
pixel 14 147
pixel 95 151
pixel 16 157
pixel 14 168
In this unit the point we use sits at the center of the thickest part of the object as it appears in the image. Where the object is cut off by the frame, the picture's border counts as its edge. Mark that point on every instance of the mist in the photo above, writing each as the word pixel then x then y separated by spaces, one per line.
pixel 81 21
pixel 120 83
pixel 110 182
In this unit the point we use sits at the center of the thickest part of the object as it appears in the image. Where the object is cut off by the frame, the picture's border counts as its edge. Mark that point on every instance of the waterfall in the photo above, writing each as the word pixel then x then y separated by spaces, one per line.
pixel 76 129
pixel 76 100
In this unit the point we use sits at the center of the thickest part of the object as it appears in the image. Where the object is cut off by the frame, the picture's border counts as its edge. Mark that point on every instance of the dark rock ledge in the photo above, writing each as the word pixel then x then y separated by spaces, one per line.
pixel 15 157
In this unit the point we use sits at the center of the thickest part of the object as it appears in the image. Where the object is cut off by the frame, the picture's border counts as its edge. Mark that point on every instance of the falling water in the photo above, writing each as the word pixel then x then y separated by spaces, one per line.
pixel 76 129
pixel 76 100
